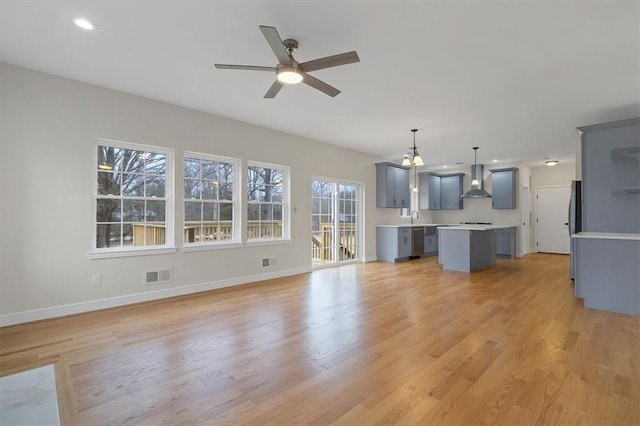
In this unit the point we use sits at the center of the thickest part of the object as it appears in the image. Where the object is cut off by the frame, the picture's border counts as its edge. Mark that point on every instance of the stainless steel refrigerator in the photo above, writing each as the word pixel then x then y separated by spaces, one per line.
pixel 575 220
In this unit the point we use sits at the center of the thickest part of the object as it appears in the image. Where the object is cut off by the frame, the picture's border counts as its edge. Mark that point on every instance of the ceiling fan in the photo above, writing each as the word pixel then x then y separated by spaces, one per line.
pixel 290 71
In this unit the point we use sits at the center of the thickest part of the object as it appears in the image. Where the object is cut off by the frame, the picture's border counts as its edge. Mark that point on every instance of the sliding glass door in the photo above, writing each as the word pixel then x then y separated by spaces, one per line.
pixel 335 222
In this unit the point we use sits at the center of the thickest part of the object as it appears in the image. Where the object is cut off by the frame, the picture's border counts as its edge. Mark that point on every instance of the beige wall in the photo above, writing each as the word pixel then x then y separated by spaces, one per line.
pixel 47 130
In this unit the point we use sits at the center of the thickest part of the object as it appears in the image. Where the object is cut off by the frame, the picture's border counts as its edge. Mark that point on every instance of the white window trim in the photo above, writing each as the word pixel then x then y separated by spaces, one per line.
pixel 194 247
pixel 286 205
pixel 169 246
pixel 109 254
pixel 236 201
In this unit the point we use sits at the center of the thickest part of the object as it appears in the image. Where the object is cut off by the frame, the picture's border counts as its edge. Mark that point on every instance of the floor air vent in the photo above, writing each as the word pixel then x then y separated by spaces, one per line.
pixel 157 277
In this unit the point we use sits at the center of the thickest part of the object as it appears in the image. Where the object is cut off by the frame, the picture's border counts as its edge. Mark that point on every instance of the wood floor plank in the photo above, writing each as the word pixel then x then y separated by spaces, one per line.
pixel 373 343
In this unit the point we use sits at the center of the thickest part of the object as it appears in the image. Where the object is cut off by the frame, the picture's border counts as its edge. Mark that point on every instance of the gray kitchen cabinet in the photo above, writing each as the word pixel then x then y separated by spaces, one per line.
pixel 607 272
pixel 430 240
pixel 631 155
pixel 451 191
pixel 431 244
pixel 503 188
pixel 611 176
pixel 435 194
pixel 429 191
pixel 506 242
pixel 393 243
pixel 392 186
pixel 439 191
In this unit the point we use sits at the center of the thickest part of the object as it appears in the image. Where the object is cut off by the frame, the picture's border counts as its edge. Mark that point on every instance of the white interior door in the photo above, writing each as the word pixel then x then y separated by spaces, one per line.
pixel 525 234
pixel 552 216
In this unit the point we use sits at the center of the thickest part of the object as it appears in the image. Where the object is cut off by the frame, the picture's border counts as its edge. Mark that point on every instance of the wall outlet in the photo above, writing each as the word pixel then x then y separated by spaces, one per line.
pixel 96 279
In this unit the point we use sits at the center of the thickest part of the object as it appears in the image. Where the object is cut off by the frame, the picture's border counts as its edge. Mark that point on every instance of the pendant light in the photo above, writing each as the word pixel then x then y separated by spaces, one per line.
pixel 475 183
pixel 413 156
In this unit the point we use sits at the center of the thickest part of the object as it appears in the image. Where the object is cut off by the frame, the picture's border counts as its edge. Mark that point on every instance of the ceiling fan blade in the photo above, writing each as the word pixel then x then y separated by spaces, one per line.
pixel 274 40
pixel 244 67
pixel 330 61
pixel 320 85
pixel 273 90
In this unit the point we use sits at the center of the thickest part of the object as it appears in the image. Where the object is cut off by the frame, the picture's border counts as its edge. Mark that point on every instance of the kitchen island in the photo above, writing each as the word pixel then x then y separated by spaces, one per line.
pixel 467 248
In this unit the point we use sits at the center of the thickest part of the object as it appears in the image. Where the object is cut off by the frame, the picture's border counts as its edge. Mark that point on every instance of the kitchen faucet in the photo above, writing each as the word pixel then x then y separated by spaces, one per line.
pixel 417 216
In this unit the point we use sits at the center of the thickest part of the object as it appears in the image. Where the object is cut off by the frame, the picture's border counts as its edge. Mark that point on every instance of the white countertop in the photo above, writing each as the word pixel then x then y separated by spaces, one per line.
pixel 474 227
pixel 408 225
pixel 455 226
pixel 607 235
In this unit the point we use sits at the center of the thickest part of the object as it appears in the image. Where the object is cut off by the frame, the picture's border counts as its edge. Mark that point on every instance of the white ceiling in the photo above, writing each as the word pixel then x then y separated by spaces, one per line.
pixel 514 78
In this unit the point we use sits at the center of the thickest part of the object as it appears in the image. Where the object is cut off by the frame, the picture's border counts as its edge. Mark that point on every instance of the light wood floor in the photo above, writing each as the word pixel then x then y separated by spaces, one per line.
pixel 361 344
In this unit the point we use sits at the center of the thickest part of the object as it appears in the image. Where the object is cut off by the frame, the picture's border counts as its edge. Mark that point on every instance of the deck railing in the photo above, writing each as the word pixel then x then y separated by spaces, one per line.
pixel 322 243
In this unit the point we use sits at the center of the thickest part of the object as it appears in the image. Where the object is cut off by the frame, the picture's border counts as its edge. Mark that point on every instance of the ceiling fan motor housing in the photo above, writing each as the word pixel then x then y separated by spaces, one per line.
pixel 290 44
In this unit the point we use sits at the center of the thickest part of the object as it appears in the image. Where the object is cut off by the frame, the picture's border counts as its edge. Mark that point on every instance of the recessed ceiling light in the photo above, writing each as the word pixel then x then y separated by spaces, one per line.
pixel 84 24
pixel 495 160
pixel 551 162
pixel 445 166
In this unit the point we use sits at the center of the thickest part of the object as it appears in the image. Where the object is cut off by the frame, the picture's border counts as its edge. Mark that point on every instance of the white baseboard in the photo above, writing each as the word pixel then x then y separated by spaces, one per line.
pixel 371 259
pixel 93 305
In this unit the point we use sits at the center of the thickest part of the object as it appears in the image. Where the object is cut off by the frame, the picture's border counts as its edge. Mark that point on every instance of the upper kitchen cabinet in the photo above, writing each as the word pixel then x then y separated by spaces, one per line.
pixel 392 182
pixel 503 188
pixel 440 192
pixel 611 176
pixel 429 191
pixel 451 191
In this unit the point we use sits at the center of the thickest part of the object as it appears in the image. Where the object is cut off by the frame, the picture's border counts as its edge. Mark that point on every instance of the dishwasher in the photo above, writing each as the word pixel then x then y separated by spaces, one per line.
pixel 417 239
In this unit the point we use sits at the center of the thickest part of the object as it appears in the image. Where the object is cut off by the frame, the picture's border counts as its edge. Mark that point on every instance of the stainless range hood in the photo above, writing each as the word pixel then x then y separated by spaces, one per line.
pixel 477 179
pixel 477 172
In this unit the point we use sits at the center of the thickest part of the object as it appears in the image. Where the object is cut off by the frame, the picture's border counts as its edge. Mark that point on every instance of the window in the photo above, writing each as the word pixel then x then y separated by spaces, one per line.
pixel 210 199
pixel 267 202
pixel 132 199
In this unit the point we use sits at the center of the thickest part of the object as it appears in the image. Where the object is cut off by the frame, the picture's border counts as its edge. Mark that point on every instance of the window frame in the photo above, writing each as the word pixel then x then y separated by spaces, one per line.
pixel 236 185
pixel 169 199
pixel 286 204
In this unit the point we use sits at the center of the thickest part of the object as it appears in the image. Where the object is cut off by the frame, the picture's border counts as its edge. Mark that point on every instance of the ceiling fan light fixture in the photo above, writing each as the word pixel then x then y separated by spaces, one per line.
pixel 84 24
pixel 289 75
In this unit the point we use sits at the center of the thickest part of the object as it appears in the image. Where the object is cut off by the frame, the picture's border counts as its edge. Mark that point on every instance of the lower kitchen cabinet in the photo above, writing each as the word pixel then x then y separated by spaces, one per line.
pixel 607 271
pixel 431 244
pixel 506 242
pixel 393 243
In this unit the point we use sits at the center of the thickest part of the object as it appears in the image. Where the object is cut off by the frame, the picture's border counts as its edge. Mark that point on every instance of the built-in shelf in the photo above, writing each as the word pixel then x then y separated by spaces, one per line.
pixel 626 190
pixel 627 153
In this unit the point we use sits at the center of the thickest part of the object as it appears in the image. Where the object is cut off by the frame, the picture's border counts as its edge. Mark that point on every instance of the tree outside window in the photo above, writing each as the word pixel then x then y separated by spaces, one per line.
pixel 209 199
pixel 266 201
pixel 131 197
